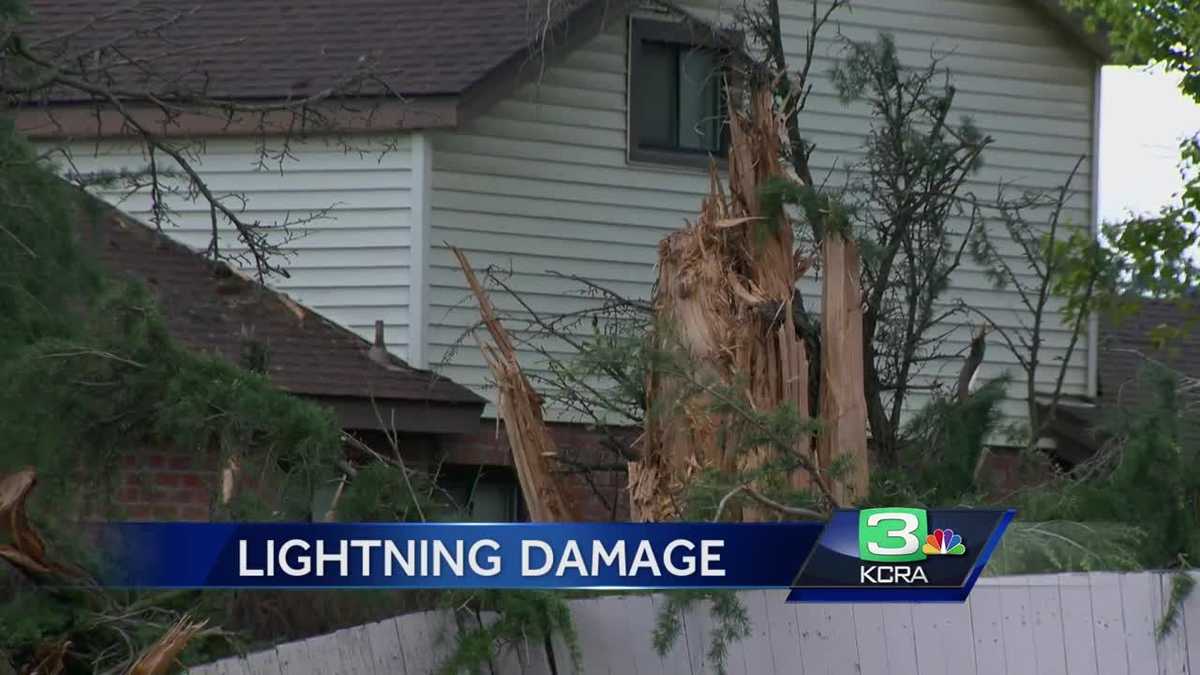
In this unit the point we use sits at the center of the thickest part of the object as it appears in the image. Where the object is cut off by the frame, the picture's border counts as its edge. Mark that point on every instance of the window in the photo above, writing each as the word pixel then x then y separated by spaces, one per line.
pixel 676 97
pixel 483 494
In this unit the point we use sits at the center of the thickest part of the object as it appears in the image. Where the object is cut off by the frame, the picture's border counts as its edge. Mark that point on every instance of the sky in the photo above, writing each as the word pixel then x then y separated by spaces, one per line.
pixel 1142 119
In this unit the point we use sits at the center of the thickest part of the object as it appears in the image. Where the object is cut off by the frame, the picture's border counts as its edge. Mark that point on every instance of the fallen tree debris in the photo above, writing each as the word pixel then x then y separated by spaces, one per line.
pixel 715 276
pixel 520 407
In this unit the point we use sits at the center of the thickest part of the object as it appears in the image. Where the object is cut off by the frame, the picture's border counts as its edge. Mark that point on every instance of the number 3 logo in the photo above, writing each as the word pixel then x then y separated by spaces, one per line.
pixel 891 534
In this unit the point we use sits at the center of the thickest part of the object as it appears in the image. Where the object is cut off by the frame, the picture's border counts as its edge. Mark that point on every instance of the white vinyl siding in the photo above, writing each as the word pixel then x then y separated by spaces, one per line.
pixel 541 183
pixel 353 265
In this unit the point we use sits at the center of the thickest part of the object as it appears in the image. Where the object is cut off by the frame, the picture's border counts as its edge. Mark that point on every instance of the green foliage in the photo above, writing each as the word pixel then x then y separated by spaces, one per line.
pixel 1155 252
pixel 730 623
pixel 817 206
pixel 1063 545
pixel 1182 585
pixel 946 440
pixel 379 494
pixel 1152 482
pixel 1165 32
pixel 91 375
pixel 503 619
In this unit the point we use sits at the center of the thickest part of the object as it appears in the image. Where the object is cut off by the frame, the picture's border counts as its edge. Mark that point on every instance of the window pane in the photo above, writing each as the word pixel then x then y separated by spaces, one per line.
pixel 493 503
pixel 654 96
pixel 699 102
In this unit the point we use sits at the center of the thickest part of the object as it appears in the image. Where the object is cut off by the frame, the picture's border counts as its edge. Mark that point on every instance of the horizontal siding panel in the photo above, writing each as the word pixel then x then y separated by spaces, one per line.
pixel 902 18
pixel 541 181
pixel 919 383
pixel 570 156
pixel 365 317
pixel 379 297
pixel 348 277
pixel 351 265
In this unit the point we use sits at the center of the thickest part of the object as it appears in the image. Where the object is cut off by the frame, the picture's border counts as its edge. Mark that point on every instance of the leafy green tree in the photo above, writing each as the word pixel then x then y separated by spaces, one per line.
pixel 1165 32
pixel 1154 253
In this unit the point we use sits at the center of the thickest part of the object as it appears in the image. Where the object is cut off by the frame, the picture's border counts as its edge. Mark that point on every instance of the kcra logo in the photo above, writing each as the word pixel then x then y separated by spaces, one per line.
pixel 899 535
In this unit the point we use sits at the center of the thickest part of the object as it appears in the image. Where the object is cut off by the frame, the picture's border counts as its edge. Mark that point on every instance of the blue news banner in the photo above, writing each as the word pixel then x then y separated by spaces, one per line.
pixel 871 555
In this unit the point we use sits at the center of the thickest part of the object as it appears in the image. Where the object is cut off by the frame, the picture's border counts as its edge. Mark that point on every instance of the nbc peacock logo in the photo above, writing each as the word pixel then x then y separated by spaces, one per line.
pixel 943 542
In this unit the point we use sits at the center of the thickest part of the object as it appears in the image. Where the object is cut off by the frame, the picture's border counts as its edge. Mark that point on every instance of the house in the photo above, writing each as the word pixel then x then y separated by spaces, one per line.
pixel 537 138
pixel 212 309
pixel 1152 330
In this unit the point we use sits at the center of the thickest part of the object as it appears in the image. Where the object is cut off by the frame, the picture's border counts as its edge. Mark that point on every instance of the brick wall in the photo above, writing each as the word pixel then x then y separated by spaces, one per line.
pixel 170 485
pixel 157 484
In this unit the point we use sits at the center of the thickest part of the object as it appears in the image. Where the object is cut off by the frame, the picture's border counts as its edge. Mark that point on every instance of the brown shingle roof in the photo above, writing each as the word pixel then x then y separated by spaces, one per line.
pixel 211 309
pixel 271 49
pixel 1125 345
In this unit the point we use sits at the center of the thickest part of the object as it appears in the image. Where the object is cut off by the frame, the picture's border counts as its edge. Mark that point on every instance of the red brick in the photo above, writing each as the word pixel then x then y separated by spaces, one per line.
pixel 195 513
pixel 179 462
pixel 129 495
pixel 191 480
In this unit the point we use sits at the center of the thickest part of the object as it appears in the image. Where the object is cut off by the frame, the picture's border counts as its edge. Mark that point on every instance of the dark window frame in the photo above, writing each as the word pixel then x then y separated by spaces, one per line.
pixel 680 34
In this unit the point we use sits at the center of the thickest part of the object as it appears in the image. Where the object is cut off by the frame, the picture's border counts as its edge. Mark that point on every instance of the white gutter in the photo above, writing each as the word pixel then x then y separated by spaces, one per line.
pixel 422 217
pixel 1093 337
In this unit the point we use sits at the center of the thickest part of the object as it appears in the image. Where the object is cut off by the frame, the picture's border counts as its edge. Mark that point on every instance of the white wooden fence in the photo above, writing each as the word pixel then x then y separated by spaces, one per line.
pixel 1069 624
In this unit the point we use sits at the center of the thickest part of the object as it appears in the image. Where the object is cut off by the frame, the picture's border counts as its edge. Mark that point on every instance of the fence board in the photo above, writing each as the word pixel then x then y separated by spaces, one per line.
pixel 785 634
pixel 1140 615
pixel 1068 624
pixel 600 624
pixel 1172 649
pixel 1191 616
pixel 944 640
pixel 987 621
pixel 696 626
pixel 675 661
pixel 757 656
pixel 1079 633
pixel 262 663
pixel 901 639
pixel 1111 657
pixel 1049 643
pixel 639 618
pixel 1019 647
pixel 293 658
pixel 417 640
pixel 869 635
pixel 387 654
pixel 827 639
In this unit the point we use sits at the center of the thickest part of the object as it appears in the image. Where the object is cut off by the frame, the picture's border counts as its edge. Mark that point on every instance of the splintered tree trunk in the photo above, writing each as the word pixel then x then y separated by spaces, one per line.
pixel 843 403
pixel 521 409
pixel 723 306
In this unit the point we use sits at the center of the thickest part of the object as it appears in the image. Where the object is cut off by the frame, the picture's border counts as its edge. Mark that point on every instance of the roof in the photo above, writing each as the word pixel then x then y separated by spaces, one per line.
pixel 1073 24
pixel 440 58
pixel 270 50
pixel 212 309
pixel 1162 330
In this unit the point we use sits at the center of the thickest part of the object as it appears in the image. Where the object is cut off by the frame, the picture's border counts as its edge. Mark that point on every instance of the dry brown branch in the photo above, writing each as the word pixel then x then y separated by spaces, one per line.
pixel 26 549
pixel 49 658
pixel 162 656
pixel 521 409
pixel 843 404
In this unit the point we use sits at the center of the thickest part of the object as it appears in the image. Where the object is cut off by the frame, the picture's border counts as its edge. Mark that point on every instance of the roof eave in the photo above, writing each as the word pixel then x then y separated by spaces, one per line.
pixel 89 120
pixel 407 416
pixel 1074 26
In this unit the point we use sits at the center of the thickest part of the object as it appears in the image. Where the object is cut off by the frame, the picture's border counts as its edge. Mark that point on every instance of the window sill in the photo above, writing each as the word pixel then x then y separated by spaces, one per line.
pixel 684 161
